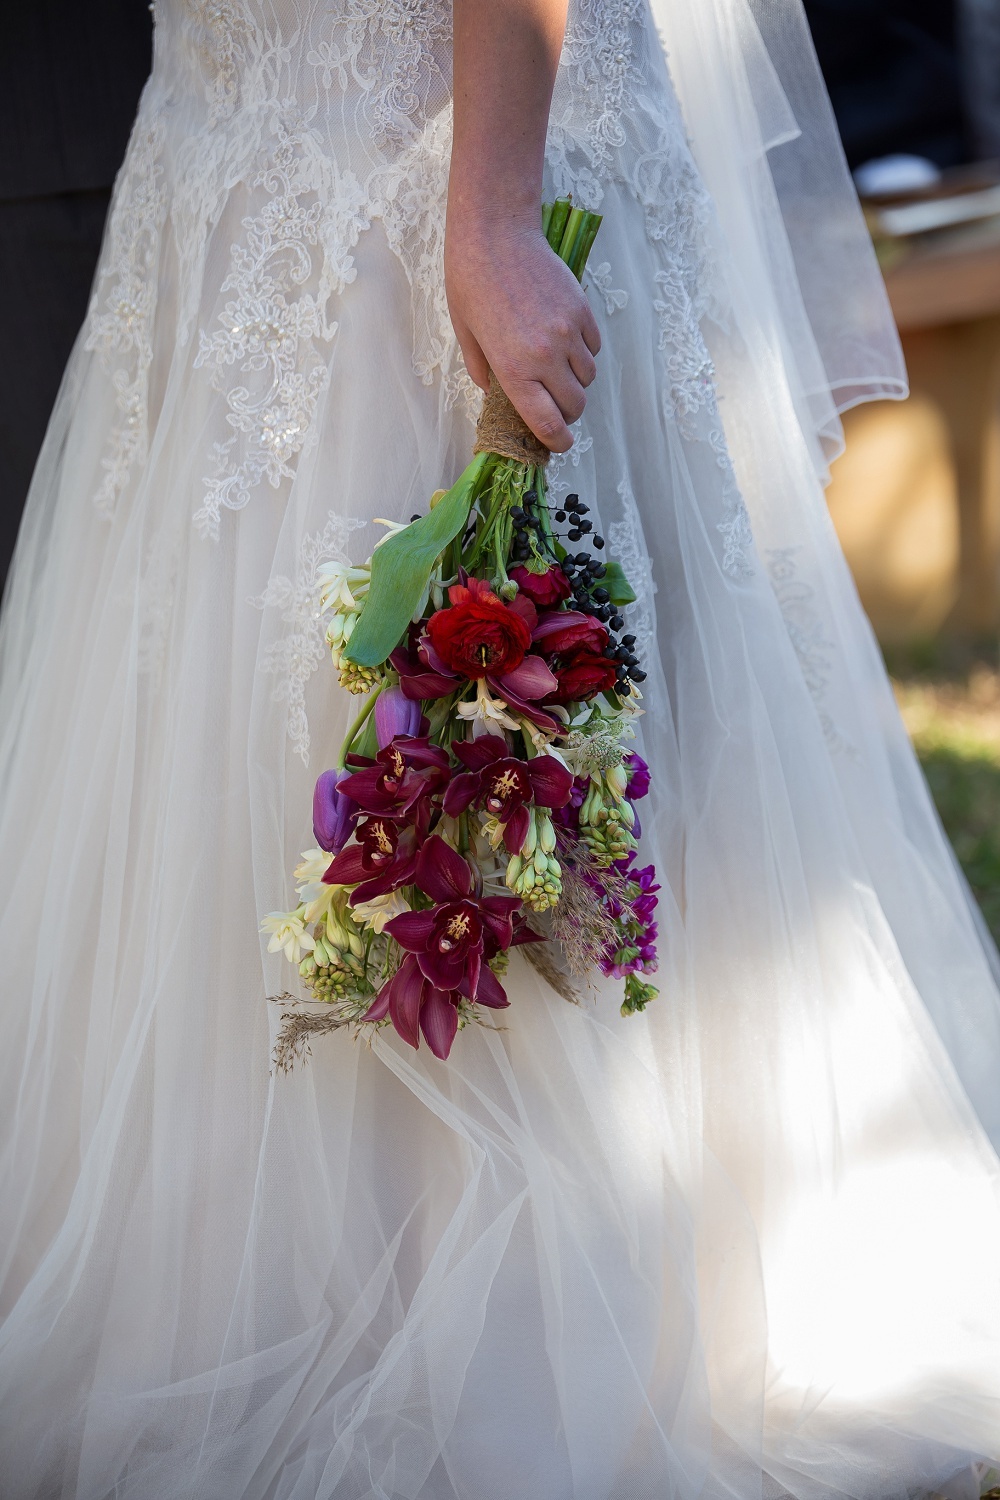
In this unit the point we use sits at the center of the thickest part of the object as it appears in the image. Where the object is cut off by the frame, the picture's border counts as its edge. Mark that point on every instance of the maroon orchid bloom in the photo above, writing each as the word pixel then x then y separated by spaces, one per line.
pixel 402 774
pixel 449 940
pixel 505 786
pixel 414 1005
pixel 383 859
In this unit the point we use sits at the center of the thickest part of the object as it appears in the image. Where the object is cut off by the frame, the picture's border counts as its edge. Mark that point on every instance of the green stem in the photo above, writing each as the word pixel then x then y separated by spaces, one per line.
pixel 359 724
pixel 561 210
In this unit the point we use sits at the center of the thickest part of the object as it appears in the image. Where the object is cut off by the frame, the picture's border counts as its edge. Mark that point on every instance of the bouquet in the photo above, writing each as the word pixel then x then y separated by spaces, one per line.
pixel 484 797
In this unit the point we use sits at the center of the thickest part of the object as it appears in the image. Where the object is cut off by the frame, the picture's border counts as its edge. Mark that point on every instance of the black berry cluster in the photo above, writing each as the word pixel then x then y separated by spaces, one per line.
pixel 585 573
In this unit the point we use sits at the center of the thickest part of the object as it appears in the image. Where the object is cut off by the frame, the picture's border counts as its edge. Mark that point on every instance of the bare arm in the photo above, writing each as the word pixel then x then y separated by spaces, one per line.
pixel 516 308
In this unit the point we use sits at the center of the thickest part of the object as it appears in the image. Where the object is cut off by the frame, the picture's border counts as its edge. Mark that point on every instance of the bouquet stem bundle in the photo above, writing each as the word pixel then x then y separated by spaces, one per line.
pixel 484 797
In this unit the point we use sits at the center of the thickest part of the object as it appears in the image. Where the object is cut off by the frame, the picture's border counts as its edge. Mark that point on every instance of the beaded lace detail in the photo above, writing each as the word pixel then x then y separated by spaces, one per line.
pixel 120 318
pixel 367 140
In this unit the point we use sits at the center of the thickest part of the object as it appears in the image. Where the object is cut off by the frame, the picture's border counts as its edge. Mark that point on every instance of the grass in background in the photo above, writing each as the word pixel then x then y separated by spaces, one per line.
pixel 952 711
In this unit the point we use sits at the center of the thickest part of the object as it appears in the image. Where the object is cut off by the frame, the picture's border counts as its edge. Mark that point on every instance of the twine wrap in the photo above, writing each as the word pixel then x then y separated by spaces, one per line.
pixel 502 430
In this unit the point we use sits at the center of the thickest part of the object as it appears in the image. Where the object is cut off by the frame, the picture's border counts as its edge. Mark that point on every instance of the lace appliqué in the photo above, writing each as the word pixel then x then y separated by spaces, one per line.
pixel 599 62
pixel 736 531
pixel 390 48
pixel 627 545
pixel 796 600
pixel 120 321
pixel 270 328
pixel 614 297
pixel 295 656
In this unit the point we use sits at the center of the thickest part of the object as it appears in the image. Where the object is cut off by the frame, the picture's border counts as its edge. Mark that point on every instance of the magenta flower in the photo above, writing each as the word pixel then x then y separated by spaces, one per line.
pixel 505 786
pixel 403 773
pixel 383 859
pixel 334 812
pixel 638 776
pixel 414 1005
pixel 449 941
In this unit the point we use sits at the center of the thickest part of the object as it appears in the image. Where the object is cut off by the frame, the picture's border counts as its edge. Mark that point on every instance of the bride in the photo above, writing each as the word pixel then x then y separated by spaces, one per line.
pixel 744 1245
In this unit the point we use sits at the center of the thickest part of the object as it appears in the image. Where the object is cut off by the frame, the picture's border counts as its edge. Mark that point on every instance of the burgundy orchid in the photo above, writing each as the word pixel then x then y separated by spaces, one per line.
pixel 383 859
pixel 506 786
pixel 449 940
pixel 404 772
pixel 414 1005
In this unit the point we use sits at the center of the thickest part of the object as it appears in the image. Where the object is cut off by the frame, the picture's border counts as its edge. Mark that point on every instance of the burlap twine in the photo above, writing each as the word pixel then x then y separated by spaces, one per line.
pixel 502 430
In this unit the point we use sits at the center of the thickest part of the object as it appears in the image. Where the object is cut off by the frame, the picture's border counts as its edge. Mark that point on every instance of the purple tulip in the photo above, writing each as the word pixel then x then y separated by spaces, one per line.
pixel 395 714
pixel 334 813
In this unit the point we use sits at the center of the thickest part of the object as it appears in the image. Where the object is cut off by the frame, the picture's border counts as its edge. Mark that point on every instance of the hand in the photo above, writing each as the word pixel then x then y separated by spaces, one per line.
pixel 519 311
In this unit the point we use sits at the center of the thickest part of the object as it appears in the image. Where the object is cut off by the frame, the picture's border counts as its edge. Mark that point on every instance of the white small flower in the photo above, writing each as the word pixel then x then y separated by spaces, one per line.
pixel 309 874
pixel 340 584
pixel 487 715
pixel 379 910
pixel 288 932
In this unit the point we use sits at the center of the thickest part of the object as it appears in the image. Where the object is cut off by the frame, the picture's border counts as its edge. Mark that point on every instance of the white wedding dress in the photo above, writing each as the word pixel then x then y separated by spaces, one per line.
pixel 746 1245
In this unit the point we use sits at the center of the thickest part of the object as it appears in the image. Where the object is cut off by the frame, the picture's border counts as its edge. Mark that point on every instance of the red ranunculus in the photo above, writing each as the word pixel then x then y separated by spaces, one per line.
pixel 542 589
pixel 582 677
pixel 561 632
pixel 479 636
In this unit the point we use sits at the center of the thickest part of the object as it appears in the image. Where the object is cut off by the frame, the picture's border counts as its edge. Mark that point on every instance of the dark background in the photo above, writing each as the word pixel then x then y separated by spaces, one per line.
pixel 71 72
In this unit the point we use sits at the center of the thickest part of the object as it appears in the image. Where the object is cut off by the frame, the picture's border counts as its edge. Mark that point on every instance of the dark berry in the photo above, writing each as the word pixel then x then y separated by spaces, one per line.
pixel 602 596
pixel 617 622
pixel 637 676
pixel 628 640
pixel 560 515
pixel 582 559
pixel 599 543
pixel 517 514
pixel 575 535
pixel 416 517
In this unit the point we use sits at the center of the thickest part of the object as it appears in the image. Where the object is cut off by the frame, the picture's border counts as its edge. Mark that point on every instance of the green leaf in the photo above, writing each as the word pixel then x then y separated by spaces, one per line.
pixel 619 589
pixel 402 566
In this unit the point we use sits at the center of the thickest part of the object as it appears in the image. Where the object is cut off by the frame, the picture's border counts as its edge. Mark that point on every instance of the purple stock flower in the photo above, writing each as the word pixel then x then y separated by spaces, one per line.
pixel 334 813
pixel 395 714
pixel 638 776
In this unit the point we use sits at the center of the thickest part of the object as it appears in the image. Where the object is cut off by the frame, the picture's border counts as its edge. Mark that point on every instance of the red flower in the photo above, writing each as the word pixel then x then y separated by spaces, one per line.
pixel 479 635
pixel 506 786
pixel 542 588
pixel 582 677
pixel 423 674
pixel 563 631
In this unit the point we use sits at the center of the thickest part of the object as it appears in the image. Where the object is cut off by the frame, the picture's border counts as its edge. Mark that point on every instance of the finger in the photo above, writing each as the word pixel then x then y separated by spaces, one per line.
pixel 542 415
pixel 583 364
pixel 589 329
pixel 567 392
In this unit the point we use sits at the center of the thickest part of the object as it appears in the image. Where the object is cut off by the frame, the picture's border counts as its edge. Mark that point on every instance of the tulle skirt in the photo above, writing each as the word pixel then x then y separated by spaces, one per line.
pixel 745 1245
